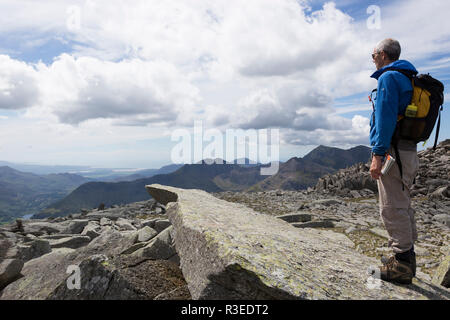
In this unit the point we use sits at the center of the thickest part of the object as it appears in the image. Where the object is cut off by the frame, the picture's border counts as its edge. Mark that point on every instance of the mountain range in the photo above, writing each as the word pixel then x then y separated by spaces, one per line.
pixel 27 193
pixel 295 174
pixel 24 193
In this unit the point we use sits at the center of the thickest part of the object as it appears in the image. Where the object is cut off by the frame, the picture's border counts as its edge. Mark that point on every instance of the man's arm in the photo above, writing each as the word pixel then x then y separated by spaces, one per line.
pixel 386 111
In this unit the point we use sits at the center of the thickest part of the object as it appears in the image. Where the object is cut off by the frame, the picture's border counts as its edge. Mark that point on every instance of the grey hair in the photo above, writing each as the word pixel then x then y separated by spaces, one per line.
pixel 391 47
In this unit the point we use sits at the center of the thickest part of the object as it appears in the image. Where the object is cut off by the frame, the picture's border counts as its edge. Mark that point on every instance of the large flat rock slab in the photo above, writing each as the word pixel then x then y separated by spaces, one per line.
pixel 229 251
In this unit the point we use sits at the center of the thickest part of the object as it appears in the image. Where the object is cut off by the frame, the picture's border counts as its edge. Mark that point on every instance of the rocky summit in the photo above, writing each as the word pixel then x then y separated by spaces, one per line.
pixel 318 243
pixel 124 252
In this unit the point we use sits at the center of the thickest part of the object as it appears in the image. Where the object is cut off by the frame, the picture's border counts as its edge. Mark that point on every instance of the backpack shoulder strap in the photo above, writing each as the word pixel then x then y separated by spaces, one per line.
pixel 410 74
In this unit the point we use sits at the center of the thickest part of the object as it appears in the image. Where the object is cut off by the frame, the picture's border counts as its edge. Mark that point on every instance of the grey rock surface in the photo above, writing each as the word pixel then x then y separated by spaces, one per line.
pixel 160 247
pixel 73 242
pixel 442 274
pixel 146 233
pixel 229 251
pixel 161 224
pixel 75 226
pixel 33 249
pixel 9 271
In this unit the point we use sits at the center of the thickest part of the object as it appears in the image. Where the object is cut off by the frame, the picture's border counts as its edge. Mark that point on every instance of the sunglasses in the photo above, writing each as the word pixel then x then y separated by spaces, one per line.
pixel 374 55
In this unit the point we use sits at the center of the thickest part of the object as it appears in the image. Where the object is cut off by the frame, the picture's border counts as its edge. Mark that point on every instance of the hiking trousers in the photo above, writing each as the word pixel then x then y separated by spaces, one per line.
pixel 395 202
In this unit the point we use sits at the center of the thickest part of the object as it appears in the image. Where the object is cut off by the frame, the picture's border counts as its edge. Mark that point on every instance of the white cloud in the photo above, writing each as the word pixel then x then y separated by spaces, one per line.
pixel 248 64
pixel 18 85
pixel 356 132
pixel 134 92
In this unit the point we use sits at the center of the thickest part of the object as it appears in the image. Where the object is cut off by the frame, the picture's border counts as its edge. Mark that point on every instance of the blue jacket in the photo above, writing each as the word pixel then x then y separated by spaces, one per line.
pixel 394 93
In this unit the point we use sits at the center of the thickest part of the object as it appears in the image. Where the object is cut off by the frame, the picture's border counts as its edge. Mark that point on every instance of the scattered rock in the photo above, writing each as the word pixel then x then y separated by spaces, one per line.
pixel 146 233
pixel 159 248
pixel 33 249
pixel 9 271
pixel 105 222
pixel 124 224
pixel 326 202
pixel 161 224
pixel 124 278
pixel 443 218
pixel 73 242
pixel 41 228
pixel 92 230
pixel 75 226
pixel 229 251
pixel 40 276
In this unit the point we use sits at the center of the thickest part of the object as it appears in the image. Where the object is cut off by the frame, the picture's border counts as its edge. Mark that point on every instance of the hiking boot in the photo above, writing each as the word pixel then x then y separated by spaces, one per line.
pixel 396 271
pixel 385 260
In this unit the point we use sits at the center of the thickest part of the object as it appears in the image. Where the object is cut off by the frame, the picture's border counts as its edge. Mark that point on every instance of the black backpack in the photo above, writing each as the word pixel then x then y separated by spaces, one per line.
pixel 428 96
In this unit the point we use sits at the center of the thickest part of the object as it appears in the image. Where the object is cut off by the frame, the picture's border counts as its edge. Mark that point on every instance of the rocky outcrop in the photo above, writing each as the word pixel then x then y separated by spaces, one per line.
pixel 432 179
pixel 36 255
pixel 122 278
pixel 294 245
pixel 229 251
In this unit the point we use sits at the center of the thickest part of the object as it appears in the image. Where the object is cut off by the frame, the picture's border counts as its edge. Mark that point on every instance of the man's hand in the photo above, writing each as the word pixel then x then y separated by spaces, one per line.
pixel 375 167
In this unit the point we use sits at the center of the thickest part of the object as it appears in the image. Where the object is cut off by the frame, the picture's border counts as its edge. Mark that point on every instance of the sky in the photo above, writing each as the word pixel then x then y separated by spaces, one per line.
pixel 106 83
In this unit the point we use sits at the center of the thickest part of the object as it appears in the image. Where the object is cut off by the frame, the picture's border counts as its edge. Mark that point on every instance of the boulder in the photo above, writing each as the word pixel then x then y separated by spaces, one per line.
pixel 161 224
pixel 44 274
pixel 440 193
pixel 75 226
pixel 229 251
pixel 105 222
pixel 33 249
pixel 145 234
pixel 110 242
pixel 9 271
pixel 159 248
pixel 355 194
pixel 70 242
pixel 124 224
pixel 40 276
pixel 442 274
pixel 5 245
pixel 149 223
pixel 92 230
pixel 122 278
pixel 41 228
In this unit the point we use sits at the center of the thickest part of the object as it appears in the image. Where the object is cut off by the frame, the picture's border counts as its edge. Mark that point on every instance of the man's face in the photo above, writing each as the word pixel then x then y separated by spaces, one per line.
pixel 378 59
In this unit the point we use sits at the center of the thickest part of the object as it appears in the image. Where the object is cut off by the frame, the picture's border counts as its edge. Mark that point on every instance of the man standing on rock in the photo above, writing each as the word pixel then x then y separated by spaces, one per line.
pixel 394 93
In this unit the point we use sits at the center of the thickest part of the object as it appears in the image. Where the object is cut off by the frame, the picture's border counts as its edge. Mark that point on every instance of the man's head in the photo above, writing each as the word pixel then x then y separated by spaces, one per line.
pixel 386 52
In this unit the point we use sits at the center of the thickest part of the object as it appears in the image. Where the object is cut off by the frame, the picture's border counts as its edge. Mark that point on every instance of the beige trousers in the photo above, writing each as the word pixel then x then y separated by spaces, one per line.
pixel 395 203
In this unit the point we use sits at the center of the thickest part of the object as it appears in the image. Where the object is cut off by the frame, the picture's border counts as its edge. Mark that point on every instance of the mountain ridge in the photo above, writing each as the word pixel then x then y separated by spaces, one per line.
pixel 295 174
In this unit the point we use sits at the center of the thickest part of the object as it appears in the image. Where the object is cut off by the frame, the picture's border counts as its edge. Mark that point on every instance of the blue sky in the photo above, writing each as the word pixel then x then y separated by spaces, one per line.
pixel 106 84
